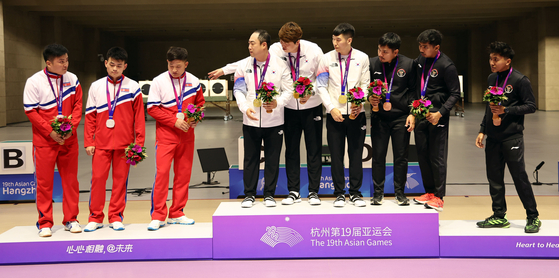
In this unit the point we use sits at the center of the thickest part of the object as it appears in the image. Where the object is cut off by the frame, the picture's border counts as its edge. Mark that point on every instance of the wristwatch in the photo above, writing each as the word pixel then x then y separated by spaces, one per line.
pixel 506 110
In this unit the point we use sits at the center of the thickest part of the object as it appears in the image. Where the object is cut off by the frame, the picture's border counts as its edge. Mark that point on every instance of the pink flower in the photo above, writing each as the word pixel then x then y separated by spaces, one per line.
pixel 377 90
pixel 202 115
pixel 270 86
pixel 65 127
pixel 191 108
pixel 358 94
pixel 427 103
pixel 137 148
pixel 300 89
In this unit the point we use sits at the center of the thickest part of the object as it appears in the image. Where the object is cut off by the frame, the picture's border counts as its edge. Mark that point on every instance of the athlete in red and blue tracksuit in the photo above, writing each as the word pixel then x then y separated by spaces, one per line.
pixel 109 142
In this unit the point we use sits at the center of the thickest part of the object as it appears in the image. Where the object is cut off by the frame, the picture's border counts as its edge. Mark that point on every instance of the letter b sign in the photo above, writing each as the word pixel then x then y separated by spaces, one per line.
pixel 13 158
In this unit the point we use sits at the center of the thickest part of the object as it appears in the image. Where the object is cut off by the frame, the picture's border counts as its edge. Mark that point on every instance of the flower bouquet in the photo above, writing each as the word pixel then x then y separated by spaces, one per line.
pixel 303 88
pixel 62 125
pixel 134 154
pixel 266 93
pixel 194 113
pixel 356 97
pixel 376 89
pixel 420 108
pixel 494 95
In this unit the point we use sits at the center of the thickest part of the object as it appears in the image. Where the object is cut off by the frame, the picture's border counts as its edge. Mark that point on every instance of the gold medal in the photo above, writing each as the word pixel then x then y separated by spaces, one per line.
pixel 257 103
pixel 342 99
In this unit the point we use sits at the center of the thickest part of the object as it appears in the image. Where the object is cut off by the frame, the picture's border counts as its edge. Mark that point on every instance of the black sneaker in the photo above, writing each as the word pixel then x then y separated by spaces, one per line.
pixel 313 199
pixel 269 201
pixel 340 201
pixel 494 221
pixel 248 202
pixel 357 201
pixel 402 200
pixel 377 200
pixel 293 197
pixel 533 225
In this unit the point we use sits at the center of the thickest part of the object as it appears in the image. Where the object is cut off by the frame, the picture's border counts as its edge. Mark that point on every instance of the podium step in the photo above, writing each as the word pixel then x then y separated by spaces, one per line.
pixel 305 231
pixel 171 242
pixel 462 238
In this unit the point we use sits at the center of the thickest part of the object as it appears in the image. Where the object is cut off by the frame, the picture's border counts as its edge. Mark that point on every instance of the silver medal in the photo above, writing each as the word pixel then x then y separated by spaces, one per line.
pixel 180 116
pixel 110 123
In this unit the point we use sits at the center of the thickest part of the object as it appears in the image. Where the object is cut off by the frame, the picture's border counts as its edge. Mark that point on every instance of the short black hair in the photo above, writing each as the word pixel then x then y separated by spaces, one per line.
pixel 344 28
pixel 263 36
pixel 177 53
pixel 430 36
pixel 392 40
pixel 501 48
pixel 54 50
pixel 117 53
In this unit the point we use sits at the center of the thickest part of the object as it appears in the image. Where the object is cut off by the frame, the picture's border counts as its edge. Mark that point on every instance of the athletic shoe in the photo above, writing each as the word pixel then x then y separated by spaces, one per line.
pixel 377 200
pixel 73 227
pixel 154 225
pixel 117 226
pixel 533 225
pixel 313 199
pixel 494 221
pixel 424 198
pixel 45 232
pixel 402 200
pixel 340 201
pixel 293 197
pixel 183 220
pixel 92 226
pixel 357 201
pixel 269 201
pixel 248 202
pixel 435 203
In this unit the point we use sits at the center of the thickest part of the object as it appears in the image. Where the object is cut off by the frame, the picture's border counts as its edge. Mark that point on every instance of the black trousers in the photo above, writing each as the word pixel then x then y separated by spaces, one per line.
pixel 382 130
pixel 273 140
pixel 310 121
pixel 432 151
pixel 354 131
pixel 510 152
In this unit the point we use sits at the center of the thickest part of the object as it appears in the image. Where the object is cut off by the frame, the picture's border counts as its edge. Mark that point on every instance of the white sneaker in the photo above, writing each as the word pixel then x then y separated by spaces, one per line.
pixel 117 226
pixel 357 201
pixel 293 197
pixel 92 226
pixel 45 232
pixel 73 227
pixel 340 201
pixel 248 202
pixel 313 199
pixel 183 220
pixel 269 202
pixel 154 225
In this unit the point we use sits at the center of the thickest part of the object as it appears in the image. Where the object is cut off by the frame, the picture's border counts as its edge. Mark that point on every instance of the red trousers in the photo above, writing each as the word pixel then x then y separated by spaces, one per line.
pixel 66 158
pixel 182 154
pixel 101 163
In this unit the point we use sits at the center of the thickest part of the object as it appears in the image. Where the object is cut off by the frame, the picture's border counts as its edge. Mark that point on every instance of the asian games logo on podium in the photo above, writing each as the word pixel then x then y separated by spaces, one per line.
pixel 276 235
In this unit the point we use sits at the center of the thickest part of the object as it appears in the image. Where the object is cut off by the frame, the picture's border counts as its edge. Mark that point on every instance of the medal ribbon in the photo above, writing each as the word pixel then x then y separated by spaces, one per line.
pixel 261 75
pixel 391 80
pixel 344 77
pixel 295 71
pixel 506 79
pixel 58 97
pixel 424 82
pixel 177 99
pixel 112 106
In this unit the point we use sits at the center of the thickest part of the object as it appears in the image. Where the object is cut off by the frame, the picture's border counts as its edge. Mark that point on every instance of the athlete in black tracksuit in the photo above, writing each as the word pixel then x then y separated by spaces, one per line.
pixel 443 90
pixel 392 124
pixel 505 144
